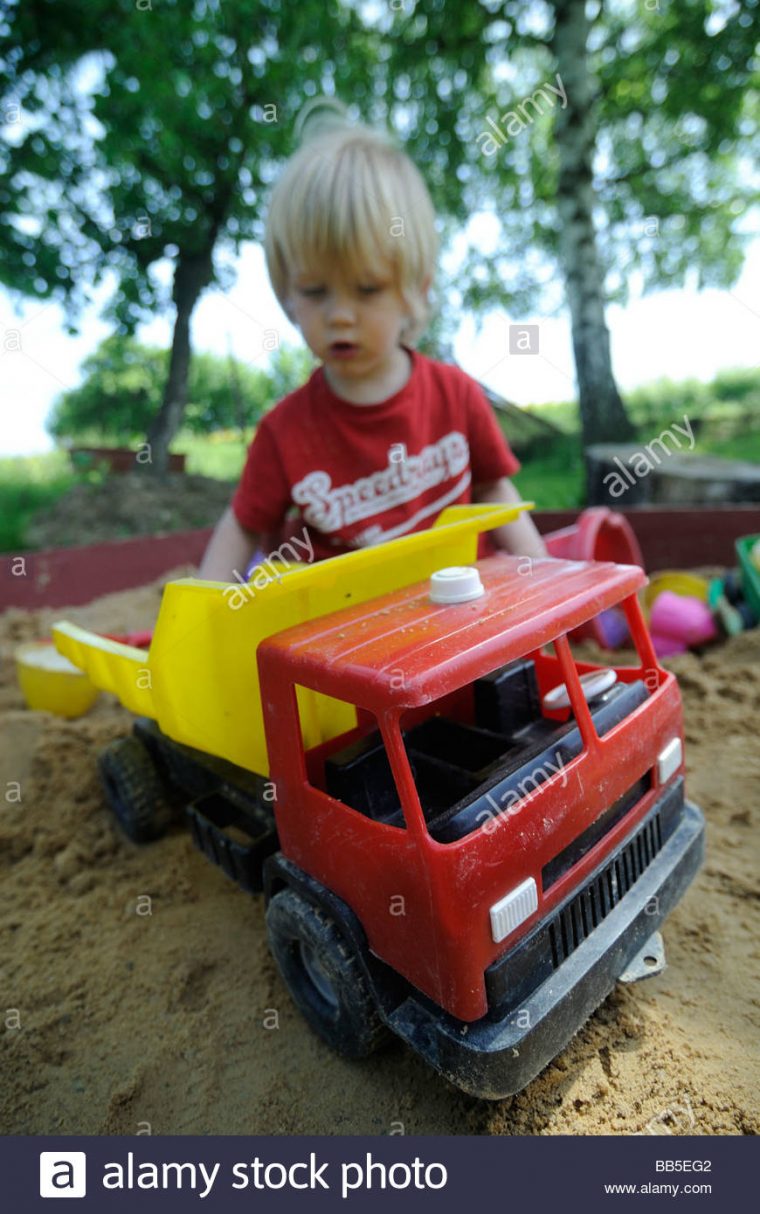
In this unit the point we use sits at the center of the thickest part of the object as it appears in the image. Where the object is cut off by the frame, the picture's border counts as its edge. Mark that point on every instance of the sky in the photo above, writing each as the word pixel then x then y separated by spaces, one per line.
pixel 676 334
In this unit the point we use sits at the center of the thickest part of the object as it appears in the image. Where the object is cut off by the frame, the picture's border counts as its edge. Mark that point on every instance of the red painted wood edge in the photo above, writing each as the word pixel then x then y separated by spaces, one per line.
pixel 68 577
pixel 679 537
pixel 62 577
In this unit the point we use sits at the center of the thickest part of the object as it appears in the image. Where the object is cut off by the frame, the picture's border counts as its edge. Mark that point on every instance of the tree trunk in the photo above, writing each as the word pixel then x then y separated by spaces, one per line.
pixel 192 274
pixel 603 416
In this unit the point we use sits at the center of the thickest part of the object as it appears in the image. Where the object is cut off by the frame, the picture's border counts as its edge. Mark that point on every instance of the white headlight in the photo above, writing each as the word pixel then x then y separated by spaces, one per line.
pixel 513 909
pixel 669 760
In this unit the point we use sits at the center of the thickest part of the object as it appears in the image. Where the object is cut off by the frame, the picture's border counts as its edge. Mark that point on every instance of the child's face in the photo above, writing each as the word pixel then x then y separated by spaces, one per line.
pixel 353 323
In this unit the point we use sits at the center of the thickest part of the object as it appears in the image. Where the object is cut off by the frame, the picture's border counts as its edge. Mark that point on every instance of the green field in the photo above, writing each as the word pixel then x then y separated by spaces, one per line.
pixel 553 476
pixel 217 455
pixel 27 484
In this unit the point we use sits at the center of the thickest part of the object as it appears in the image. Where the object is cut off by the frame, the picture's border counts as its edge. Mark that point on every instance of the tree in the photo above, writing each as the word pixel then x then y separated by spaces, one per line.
pixel 602 412
pixel 191 114
pixel 641 169
pixel 123 383
pixel 118 397
pixel 44 152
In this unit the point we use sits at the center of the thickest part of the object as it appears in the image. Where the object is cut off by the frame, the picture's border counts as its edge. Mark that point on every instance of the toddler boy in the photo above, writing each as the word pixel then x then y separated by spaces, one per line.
pixel 380 439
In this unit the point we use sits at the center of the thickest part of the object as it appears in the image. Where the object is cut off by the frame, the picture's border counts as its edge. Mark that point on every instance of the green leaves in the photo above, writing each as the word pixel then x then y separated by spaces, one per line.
pixel 675 112
pixel 153 130
pixel 123 383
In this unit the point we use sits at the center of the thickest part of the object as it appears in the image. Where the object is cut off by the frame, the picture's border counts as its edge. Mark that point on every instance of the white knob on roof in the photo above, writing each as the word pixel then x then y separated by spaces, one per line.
pixel 457 584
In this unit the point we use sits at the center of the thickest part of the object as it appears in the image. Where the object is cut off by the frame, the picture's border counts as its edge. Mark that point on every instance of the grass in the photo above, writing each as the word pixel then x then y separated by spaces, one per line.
pixel 27 484
pixel 742 446
pixel 553 476
pixel 217 455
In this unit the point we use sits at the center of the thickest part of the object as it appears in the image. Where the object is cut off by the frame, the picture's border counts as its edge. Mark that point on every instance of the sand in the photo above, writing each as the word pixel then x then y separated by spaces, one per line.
pixel 138 996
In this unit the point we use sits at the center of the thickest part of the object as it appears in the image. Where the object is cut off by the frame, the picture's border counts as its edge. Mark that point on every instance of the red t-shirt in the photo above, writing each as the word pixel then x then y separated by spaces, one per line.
pixel 362 474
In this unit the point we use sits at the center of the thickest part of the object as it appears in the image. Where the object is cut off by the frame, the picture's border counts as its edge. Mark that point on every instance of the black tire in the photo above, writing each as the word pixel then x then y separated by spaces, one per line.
pixel 134 790
pixel 323 975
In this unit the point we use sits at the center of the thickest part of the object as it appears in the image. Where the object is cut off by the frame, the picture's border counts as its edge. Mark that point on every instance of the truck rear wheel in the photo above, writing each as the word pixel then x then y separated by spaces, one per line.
pixel 134 790
pixel 323 975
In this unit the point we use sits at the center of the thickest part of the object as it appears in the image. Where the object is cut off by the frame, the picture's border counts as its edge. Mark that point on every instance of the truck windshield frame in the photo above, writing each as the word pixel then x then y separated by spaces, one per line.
pixel 647 670
pixel 442 757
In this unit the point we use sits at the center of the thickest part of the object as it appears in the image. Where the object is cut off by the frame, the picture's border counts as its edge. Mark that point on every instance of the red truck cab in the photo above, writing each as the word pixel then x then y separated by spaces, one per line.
pixel 502 832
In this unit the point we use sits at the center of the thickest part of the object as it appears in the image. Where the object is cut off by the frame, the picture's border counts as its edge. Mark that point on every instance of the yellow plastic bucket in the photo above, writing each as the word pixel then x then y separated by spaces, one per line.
pixel 50 683
pixel 689 584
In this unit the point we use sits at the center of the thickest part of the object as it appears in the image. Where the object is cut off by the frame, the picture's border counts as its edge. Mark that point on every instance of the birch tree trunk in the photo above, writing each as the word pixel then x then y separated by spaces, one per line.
pixel 192 274
pixel 603 415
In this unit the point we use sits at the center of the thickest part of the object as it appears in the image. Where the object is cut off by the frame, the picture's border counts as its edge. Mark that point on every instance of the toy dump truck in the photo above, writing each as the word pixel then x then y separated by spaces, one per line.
pixel 464 834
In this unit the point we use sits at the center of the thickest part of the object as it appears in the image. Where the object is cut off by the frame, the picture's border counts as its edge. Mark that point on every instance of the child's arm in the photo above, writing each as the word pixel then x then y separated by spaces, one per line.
pixel 520 537
pixel 229 550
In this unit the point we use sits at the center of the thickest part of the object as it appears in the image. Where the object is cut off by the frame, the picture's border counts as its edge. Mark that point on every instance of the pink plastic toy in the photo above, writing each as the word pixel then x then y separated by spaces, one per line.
pixel 665 646
pixel 679 621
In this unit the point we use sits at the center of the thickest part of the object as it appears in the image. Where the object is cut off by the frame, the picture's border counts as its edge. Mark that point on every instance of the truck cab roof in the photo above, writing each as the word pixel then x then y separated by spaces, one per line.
pixel 357 653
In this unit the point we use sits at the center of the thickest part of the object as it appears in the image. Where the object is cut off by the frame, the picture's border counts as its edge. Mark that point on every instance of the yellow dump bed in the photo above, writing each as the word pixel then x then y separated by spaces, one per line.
pixel 199 680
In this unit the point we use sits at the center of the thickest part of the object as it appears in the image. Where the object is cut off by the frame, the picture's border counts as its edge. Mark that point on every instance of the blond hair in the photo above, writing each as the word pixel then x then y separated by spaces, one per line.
pixel 349 197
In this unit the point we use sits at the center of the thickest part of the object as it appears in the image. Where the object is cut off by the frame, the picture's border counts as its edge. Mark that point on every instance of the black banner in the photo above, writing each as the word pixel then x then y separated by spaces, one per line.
pixel 147 1174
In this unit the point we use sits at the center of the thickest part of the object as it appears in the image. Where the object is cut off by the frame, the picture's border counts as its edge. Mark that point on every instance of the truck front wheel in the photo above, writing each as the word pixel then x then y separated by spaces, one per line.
pixel 134 790
pixel 323 975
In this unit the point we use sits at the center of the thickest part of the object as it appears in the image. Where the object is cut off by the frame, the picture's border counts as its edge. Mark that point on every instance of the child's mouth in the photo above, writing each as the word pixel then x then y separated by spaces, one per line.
pixel 343 349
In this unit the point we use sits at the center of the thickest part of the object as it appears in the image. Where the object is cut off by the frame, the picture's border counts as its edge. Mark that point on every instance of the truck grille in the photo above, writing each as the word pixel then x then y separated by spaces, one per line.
pixel 570 856
pixel 585 911
pixel 514 976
